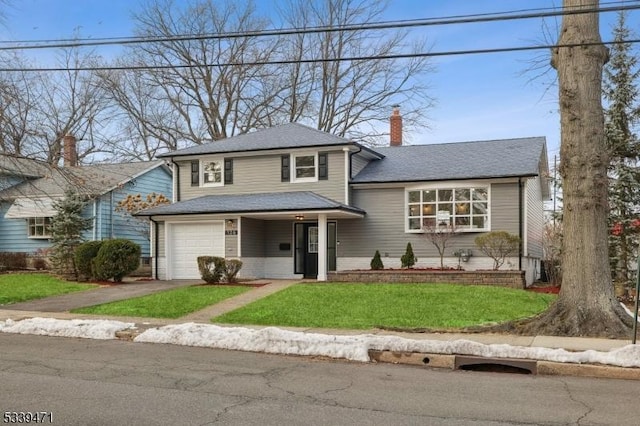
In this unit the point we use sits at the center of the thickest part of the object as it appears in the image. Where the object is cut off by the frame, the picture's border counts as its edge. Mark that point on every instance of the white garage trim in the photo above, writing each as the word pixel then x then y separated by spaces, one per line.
pixel 214 235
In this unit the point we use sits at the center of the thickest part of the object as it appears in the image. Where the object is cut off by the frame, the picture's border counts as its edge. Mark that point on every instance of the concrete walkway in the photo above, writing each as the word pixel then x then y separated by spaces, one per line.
pixel 102 294
pixel 233 303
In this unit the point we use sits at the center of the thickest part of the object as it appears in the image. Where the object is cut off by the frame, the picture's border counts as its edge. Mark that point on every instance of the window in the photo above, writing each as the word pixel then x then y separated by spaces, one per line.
pixel 211 173
pixel 467 209
pixel 39 227
pixel 305 168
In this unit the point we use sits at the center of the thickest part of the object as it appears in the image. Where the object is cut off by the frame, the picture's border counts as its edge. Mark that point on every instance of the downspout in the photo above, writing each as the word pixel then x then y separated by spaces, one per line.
pixel 520 222
pixel 155 247
pixel 176 170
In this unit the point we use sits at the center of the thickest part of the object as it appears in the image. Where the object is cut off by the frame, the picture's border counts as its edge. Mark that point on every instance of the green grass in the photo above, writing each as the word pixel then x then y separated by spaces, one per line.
pixel 16 288
pixel 167 304
pixel 363 306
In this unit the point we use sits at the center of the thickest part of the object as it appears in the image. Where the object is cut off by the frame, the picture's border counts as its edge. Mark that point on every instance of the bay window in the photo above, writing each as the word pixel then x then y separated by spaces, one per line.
pixel 464 208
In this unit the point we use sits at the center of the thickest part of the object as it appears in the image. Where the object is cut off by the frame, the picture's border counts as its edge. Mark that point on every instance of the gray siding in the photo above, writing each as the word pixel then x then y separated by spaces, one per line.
pixel 252 237
pixel 535 217
pixel 505 207
pixel 383 228
pixel 277 232
pixel 231 245
pixel 357 164
pixel 261 174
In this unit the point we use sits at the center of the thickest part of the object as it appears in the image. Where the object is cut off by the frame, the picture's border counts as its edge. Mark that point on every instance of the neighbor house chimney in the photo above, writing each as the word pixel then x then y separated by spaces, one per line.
pixel 70 153
pixel 395 122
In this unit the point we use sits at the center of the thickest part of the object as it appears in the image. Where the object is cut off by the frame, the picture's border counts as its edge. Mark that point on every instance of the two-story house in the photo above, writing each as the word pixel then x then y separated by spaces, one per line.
pixel 29 189
pixel 292 201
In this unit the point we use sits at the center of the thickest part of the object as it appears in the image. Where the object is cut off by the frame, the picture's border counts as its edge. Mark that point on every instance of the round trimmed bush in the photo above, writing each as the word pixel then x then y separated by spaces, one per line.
pixel 116 259
pixel 84 255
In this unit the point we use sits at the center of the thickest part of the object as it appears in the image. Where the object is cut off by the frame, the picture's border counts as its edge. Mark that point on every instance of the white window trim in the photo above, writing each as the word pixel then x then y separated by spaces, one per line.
pixel 447 185
pixel 201 172
pixel 38 237
pixel 293 167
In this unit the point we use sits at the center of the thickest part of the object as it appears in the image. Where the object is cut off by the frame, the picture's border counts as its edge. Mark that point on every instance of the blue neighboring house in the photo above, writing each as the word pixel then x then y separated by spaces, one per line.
pixel 29 188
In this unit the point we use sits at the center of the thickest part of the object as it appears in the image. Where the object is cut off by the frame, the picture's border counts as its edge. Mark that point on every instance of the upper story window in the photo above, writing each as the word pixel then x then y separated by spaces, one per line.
pixel 308 167
pixel 39 227
pixel 466 209
pixel 212 172
pixel 305 168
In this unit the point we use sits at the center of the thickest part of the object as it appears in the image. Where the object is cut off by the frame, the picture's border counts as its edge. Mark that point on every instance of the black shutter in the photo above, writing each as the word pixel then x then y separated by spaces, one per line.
pixel 228 171
pixel 195 173
pixel 285 174
pixel 323 166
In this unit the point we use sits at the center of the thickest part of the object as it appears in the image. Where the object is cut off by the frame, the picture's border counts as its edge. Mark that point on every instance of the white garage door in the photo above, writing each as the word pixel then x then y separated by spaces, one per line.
pixel 190 240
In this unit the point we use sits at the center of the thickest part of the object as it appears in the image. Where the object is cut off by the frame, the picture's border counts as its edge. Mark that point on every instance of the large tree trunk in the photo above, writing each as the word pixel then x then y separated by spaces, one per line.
pixel 586 305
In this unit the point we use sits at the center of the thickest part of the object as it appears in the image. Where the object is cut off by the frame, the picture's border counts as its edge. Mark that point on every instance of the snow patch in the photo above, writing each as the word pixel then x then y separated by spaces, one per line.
pixel 356 348
pixel 87 329
pixel 277 341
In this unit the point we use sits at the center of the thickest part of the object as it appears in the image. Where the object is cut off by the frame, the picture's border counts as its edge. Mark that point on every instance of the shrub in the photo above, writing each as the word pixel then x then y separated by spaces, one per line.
pixel 84 255
pixel 232 267
pixel 115 259
pixel 13 260
pixel 211 268
pixel 40 263
pixel 498 245
pixel 408 259
pixel 215 269
pixel 376 262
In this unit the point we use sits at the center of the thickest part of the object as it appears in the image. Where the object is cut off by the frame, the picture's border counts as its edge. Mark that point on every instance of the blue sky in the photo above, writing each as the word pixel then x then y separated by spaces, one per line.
pixel 489 96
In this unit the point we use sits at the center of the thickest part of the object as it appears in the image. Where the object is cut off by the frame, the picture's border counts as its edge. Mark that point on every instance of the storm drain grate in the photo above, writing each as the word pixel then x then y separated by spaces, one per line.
pixel 495 365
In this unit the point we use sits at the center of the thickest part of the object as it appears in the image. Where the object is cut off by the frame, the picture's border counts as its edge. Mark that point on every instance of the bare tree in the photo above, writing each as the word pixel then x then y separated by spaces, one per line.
pixel 39 109
pixel 586 304
pixel 214 86
pixel 349 98
pixel 440 236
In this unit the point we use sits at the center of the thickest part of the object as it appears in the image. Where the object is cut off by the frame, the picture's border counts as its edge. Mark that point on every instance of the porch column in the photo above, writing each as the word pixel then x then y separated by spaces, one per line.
pixel 322 247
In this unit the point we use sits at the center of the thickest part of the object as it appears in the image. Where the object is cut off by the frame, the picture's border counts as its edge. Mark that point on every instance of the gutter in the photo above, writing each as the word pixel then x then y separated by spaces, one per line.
pixel 156 247
pixel 176 169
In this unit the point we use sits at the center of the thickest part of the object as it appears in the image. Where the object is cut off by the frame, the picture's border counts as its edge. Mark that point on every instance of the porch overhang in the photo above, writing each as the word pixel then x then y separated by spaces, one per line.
pixel 302 205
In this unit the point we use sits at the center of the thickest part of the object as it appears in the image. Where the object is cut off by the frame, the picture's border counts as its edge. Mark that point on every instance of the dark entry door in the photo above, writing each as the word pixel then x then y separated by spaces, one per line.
pixel 306 248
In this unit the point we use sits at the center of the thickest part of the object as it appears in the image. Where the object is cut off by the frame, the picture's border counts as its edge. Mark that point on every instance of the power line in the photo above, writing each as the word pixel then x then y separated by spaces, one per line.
pixel 462 19
pixel 322 60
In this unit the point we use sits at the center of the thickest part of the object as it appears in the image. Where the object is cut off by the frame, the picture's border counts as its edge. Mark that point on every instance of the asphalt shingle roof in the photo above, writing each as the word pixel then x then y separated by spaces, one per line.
pixel 91 179
pixel 26 167
pixel 245 203
pixel 285 136
pixel 461 160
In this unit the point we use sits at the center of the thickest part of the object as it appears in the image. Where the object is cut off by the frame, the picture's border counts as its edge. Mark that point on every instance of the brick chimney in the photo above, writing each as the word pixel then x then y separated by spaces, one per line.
pixel 395 122
pixel 70 153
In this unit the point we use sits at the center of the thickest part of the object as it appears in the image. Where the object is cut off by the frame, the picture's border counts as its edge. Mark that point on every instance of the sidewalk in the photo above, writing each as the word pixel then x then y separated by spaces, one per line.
pixel 58 307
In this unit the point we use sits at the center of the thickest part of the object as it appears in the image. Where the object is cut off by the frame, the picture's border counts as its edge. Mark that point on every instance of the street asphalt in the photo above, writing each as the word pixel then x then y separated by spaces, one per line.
pixel 59 307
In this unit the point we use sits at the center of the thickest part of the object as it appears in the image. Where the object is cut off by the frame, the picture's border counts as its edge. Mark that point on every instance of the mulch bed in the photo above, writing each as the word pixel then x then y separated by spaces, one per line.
pixel 547 289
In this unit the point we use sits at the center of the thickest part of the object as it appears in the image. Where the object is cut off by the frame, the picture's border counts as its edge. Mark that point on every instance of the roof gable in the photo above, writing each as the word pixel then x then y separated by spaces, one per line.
pixel 456 161
pixel 92 180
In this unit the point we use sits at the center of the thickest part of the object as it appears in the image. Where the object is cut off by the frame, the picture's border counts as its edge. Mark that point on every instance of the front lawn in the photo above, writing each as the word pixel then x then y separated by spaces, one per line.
pixel 167 304
pixel 16 288
pixel 363 306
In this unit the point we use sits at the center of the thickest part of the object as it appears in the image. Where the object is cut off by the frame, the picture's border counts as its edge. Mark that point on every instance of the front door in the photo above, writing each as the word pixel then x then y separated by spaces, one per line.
pixel 306 248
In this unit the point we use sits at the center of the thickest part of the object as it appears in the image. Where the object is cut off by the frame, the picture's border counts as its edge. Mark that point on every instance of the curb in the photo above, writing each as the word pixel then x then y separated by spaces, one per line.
pixel 537 367
pixel 466 362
